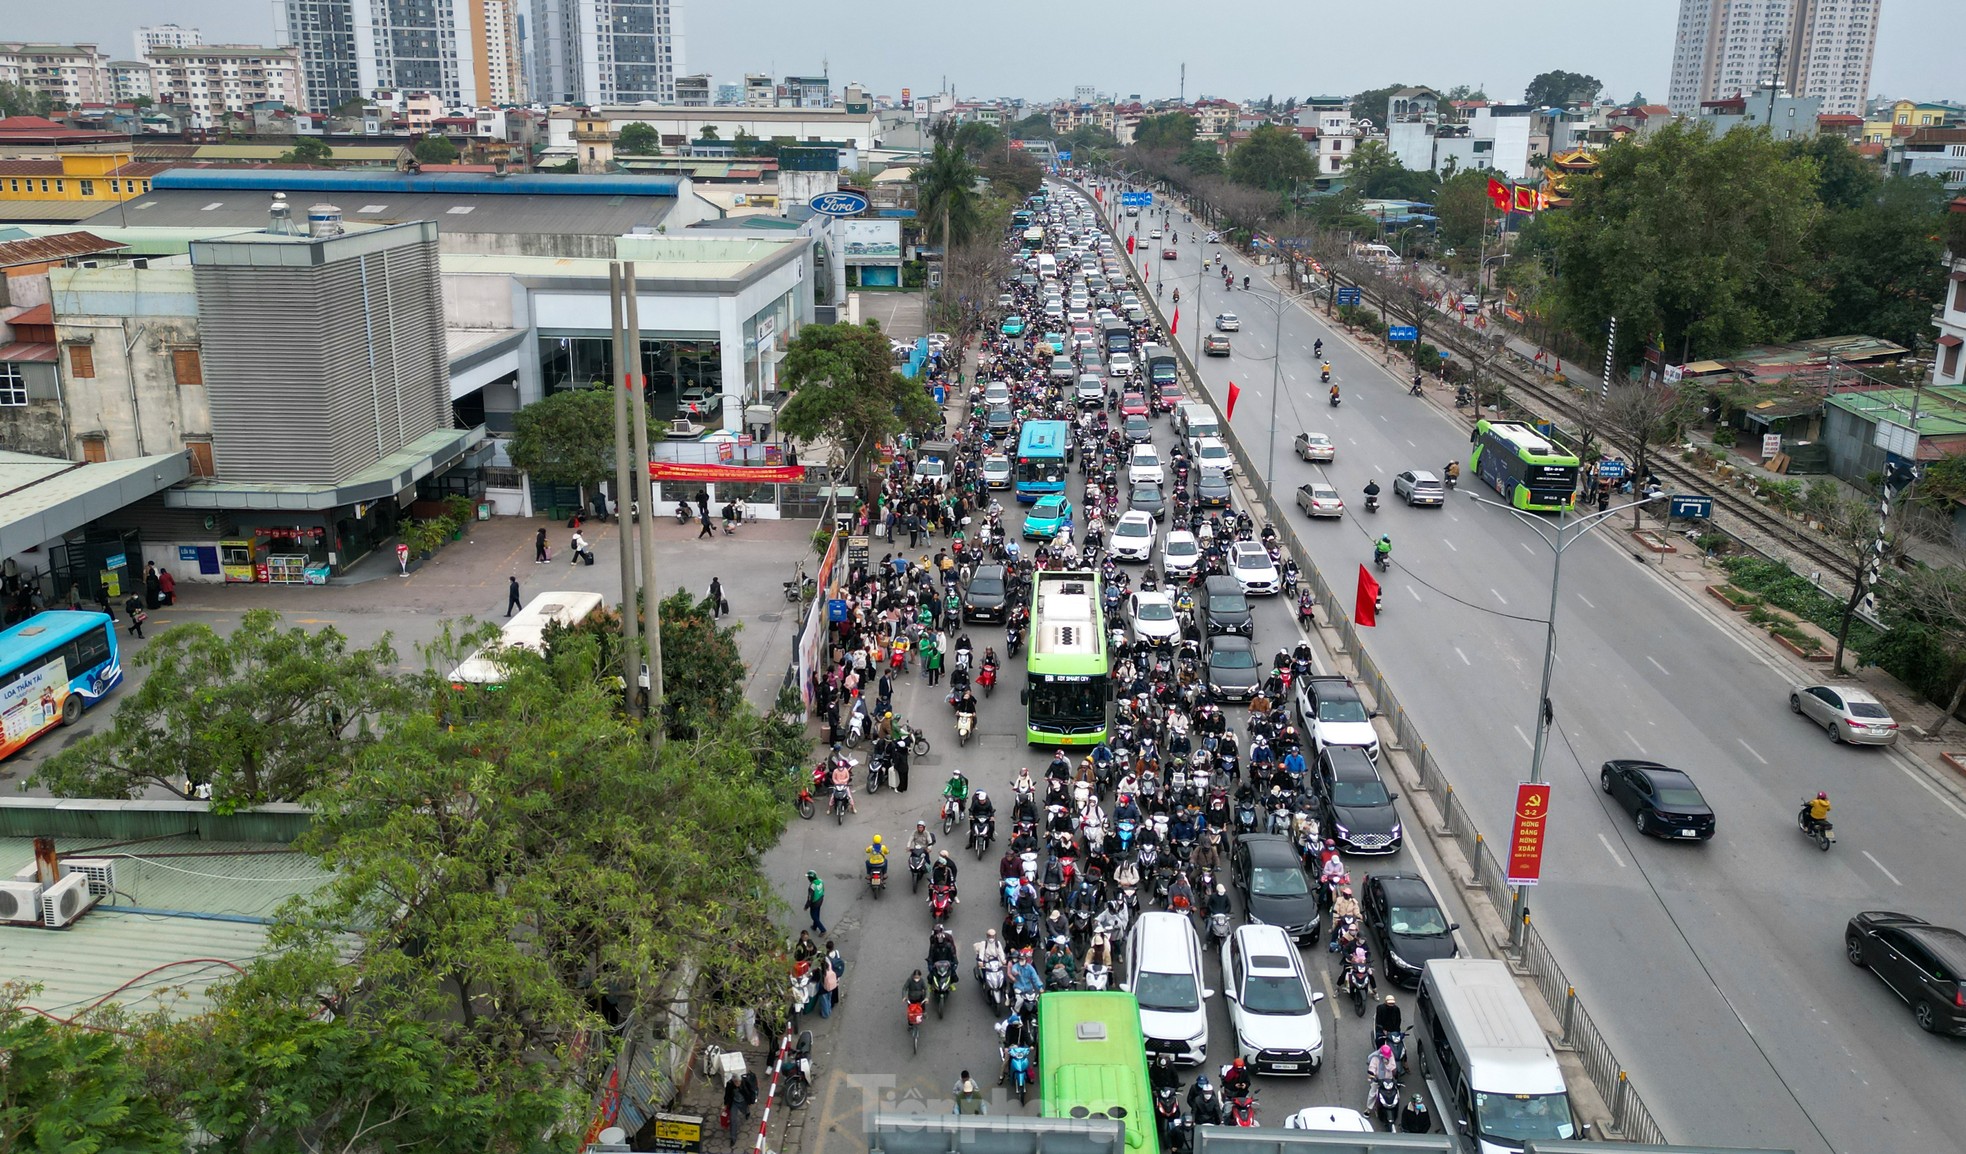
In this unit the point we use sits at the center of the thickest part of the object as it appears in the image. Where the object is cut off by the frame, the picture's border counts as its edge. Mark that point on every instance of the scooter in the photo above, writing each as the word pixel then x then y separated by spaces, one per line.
pixel 941 900
pixel 1020 1072
pixel 965 724
pixel 796 1072
pixel 1334 399
pixel 1358 980
pixel 917 868
pixel 1385 1102
pixel 941 980
pixel 1821 832
pixel 877 881
pixel 1372 502
pixel 915 1015
pixel 987 677
pixel 1242 1110
pixel 996 986
pixel 1383 560
pixel 683 514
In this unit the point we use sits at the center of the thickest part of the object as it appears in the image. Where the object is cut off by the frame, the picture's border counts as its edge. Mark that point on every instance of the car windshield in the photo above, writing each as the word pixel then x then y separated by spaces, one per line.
pixel 1153 611
pixel 1167 992
pixel 1678 796
pixel 1868 709
pixel 1274 995
pixel 1278 882
pixel 986 586
pixel 1179 549
pixel 1364 791
pixel 1324 494
pixel 1133 529
pixel 1233 659
pixel 1228 603
pixel 1341 711
pixel 1524 1117
pixel 1146 494
pixel 1415 920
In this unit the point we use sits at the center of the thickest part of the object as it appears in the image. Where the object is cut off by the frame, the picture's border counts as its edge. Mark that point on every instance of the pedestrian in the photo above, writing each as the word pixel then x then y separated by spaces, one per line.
pixel 539 554
pixel 703 515
pixel 729 1115
pixel 747 1094
pixel 134 607
pixel 167 585
pixel 718 606
pixel 512 596
pixel 829 987
pixel 815 898
pixel 805 949
pixel 153 588
pixel 577 546
pixel 901 765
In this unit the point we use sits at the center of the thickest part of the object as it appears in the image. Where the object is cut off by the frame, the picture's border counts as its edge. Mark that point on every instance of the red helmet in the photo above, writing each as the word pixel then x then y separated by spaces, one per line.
pixel 1822 797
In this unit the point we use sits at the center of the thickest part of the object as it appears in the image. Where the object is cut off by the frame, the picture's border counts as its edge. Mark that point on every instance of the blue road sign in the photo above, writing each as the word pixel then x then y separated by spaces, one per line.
pixel 1444 354
pixel 839 204
pixel 1611 469
pixel 1065 157
pixel 1348 295
pixel 1402 333
pixel 1136 199
pixel 1688 505
pixel 836 609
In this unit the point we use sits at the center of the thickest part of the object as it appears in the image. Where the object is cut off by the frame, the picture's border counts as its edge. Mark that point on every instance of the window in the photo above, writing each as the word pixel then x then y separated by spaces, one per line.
pixel 88 188
pixel 201 458
pixel 13 386
pixel 185 367
pixel 81 361
pixel 95 450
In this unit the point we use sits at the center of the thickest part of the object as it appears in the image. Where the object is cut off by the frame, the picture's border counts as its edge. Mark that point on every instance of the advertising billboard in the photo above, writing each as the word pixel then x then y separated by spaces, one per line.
pixel 872 239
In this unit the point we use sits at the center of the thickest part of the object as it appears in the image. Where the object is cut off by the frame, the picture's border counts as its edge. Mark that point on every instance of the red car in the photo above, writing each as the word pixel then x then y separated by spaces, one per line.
pixel 1133 404
pixel 1169 254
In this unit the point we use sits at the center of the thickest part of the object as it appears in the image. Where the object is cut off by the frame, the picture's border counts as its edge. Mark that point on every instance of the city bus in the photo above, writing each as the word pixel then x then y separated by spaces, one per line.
pixel 1040 468
pixel 1524 466
pixel 1065 668
pixel 486 668
pixel 53 667
pixel 1092 1063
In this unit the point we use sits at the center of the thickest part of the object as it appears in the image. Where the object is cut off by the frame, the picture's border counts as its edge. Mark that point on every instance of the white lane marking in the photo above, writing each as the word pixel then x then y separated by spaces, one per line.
pixel 1634 741
pixel 1526 548
pixel 1292 376
pixel 1462 656
pixel 1415 592
pixel 1450 546
pixel 1586 601
pixel 1882 870
pixel 1382 416
pixel 1608 849
pixel 1657 666
pixel 1499 597
pixel 1411 445
pixel 1750 749
pixel 1523 736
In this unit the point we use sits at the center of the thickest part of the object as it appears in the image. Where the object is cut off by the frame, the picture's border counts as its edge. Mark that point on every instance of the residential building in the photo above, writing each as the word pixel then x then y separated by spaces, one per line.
pixel 1642 119
pixel 759 91
pixel 210 81
pixel 152 36
pixel 129 80
pixel 71 74
pixel 1337 139
pixel 855 131
pixel 1819 48
pixel 416 45
pixel 1939 152
pixel 1786 117
pixel 324 33
pixel 1214 117
pixel 694 91
pixel 497 56
pixel 806 92
pixel 1412 104
pixel 606 51
pixel 1085 94
pixel 1949 357
pixel 74 186
pixel 464 52
pixel 729 94
pixel 1497 138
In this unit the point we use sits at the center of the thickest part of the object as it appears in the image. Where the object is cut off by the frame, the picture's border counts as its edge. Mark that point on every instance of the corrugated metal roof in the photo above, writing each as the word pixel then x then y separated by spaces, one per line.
pixel 1941 408
pixel 28 352
pixel 321 180
pixel 244 207
pixel 49 498
pixel 49 211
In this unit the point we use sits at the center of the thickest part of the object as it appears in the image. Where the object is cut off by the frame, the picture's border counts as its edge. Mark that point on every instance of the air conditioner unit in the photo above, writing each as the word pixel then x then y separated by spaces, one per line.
pixel 65 901
pixel 20 902
pixel 101 872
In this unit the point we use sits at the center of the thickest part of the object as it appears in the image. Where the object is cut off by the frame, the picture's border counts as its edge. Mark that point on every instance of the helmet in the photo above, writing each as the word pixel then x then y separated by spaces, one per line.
pixel 811 877
pixel 877 839
pixel 921 825
pixel 1015 1018
pixel 1347 891
pixel 982 796
pixel 991 934
pixel 1822 797
pixel 1385 1051
pixel 1386 537
pixel 1221 889
pixel 1391 1001
pixel 1238 1063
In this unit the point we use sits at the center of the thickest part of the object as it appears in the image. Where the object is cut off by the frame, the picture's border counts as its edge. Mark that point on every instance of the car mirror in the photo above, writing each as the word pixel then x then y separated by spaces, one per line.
pixel 1207 993
pixel 1461 1124
pixel 1126 987
pixel 1372 713
pixel 1024 696
pixel 1317 997
pixel 1392 795
pixel 1584 1132
pixel 1452 926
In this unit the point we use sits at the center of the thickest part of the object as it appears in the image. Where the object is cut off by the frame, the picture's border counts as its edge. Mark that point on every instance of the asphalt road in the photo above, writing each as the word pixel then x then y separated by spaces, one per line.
pixel 1731 950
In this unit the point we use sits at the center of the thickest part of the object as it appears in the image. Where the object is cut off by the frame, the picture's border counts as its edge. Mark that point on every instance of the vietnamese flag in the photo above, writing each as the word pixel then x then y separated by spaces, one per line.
pixel 1234 392
pixel 1174 326
pixel 1525 198
pixel 1129 244
pixel 1365 609
pixel 1499 193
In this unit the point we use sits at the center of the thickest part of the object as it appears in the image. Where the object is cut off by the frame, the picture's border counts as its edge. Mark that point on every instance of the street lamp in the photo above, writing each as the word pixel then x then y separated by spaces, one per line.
pixel 1276 369
pixel 1558 536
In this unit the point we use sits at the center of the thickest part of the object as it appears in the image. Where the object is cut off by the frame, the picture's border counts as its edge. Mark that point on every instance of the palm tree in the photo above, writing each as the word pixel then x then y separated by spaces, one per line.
pixel 945 190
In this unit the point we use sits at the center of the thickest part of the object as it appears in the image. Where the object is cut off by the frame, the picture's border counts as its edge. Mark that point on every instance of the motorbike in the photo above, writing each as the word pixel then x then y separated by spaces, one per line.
pixel 683 513
pixel 1453 479
pixel 876 774
pixel 941 980
pixel 1397 1040
pixel 796 1072
pixel 996 986
pixel 1218 929
pixel 1372 502
pixel 941 900
pixel 803 987
pixel 965 725
pixel 982 831
pixel 842 800
pixel 1020 1072
pixel 952 812
pixel 987 677
pixel 915 1016
pixel 1383 560
pixel 917 868
pixel 799 588
pixel 1176 1129
pixel 1097 977
pixel 877 880
pixel 1306 606
pixel 1821 832
pixel 1385 1102
pixel 1358 983
pixel 805 805
pixel 1242 1110
pixel 856 724
pixel 1334 400
pixel 903 731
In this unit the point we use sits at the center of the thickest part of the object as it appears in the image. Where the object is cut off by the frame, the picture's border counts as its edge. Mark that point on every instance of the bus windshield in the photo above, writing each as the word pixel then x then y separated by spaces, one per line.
pixel 1040 465
pixel 1065 703
pixel 1524 1117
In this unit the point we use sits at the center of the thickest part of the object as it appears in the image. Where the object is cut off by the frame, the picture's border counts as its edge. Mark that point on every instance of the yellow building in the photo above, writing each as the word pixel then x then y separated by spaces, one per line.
pixel 72 187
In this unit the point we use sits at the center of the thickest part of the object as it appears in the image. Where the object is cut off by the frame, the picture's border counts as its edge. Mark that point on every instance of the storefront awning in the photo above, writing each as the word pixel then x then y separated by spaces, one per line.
pixel 431 453
pixel 49 498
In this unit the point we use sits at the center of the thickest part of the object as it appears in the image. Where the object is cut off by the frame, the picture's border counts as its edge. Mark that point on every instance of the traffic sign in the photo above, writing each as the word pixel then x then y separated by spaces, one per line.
pixel 1444 354
pixel 1532 807
pixel 1348 295
pixel 1402 333
pixel 1136 199
pixel 1692 506
pixel 1065 156
pixel 839 204
pixel 1611 469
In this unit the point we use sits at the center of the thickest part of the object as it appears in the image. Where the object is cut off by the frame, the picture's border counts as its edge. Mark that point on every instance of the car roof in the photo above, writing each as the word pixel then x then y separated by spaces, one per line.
pixel 1422 475
pixel 1949 944
pixel 1274 845
pixel 987 571
pixel 1656 771
pixel 1848 692
pixel 1314 436
pixel 1248 548
pixel 1409 886
pixel 1181 535
pixel 1230 641
pixel 1332 688
pixel 1135 517
pixel 1278 946
pixel 1322 487
pixel 1149 596
pixel 1349 761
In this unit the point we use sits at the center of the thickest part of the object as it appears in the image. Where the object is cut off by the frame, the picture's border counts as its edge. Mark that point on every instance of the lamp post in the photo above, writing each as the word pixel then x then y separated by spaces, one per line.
pixel 1558 536
pixel 1276 370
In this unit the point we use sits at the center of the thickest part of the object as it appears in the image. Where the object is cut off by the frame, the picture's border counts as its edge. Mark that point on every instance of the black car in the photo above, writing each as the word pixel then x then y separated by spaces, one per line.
pixel 1212 489
pixel 1233 673
pixel 986 596
pixel 1663 801
pixel 1224 609
pixel 1922 963
pixel 1000 419
pixel 1411 927
pixel 1275 890
pixel 1148 499
pixel 1358 810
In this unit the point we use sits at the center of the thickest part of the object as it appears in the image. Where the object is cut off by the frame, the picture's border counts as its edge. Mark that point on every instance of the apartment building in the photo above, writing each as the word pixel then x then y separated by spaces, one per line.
pixel 497 56
pixel 209 81
pixel 71 74
pixel 1819 48
pixel 153 36
pixel 605 51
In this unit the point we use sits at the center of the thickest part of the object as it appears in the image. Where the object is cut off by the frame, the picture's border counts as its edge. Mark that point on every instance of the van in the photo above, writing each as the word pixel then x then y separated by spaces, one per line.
pixel 1047 266
pixel 1493 1075
pixel 1163 973
pixel 1377 254
pixel 1197 420
pixel 1157 362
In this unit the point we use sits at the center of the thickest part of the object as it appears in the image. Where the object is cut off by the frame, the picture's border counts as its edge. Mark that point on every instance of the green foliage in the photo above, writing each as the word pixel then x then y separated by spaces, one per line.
pixel 1880 270
pixel 1203 159
pixel 260 715
pixel 1272 158
pixel 307 150
pixel 1777 586
pixel 436 149
pixel 1464 92
pixel 709 133
pixel 945 188
pixel 1724 436
pixel 567 438
pixel 1462 205
pixel 20 100
pixel 1036 126
pixel 1559 88
pixel 845 390
pixel 1943 485
pixel 638 139
pixel 1378 174
pixel 75 1088
pixel 1785 494
pixel 1171 131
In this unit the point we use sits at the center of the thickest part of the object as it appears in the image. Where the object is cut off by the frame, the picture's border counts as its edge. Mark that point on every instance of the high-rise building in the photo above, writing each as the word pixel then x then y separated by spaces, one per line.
pixel 497 55
pixel 208 81
pixel 1820 48
pixel 605 51
pixel 165 36
pixel 693 91
pixel 323 31
pixel 463 52
pixel 70 74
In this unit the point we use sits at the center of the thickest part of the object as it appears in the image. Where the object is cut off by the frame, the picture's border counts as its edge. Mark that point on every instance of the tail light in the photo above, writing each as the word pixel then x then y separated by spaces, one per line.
pixel 1959 997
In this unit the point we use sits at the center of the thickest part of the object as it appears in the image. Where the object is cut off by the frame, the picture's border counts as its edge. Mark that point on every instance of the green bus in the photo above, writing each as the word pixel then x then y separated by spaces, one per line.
pixel 1529 470
pixel 1092 1063
pixel 1066 670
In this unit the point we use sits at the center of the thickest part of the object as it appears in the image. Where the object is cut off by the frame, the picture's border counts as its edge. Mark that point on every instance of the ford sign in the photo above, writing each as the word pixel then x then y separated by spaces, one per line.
pixel 839 204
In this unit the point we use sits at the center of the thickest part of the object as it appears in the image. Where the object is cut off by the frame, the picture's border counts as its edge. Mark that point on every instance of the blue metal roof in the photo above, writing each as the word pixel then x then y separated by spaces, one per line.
pixel 473 183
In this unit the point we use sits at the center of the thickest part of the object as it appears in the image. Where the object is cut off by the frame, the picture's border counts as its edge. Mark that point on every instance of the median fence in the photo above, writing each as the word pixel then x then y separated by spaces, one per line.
pixel 1629 1116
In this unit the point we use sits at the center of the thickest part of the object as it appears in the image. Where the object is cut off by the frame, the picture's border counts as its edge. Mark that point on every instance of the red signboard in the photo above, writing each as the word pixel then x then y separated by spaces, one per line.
pixel 762 474
pixel 1532 807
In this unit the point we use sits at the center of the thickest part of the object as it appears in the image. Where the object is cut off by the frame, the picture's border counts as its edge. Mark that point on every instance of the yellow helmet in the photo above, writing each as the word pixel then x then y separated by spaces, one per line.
pixel 877 839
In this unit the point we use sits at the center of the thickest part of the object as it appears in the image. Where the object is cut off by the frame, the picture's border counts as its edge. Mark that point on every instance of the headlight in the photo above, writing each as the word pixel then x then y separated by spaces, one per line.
pixel 1341 830
pixel 1402 963
pixel 1396 829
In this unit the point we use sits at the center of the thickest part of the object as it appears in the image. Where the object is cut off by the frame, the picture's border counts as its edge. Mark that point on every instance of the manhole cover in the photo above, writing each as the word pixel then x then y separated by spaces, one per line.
pixel 771 616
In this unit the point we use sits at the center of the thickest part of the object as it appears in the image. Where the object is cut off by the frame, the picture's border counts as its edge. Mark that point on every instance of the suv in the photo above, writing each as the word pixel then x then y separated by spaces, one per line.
pixel 1358 810
pixel 1329 710
pixel 1090 391
pixel 1224 609
pixel 987 595
pixel 1271 1003
pixel 1922 963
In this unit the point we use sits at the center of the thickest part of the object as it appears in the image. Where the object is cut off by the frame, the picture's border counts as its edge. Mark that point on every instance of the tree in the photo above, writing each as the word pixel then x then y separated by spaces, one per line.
pixel 1012 173
pixel 143 104
pixel 1202 158
pixel 945 191
pixel 1851 529
pixel 75 1087
pixel 1638 417
pixel 709 133
pixel 1932 601
pixel 20 100
pixel 1464 92
pixel 1558 88
pixel 1171 131
pixel 1036 126
pixel 436 149
pixel 1462 205
pixel 638 139
pixel 1378 174
pixel 845 390
pixel 308 150
pixel 568 438
pixel 1372 104
pixel 1845 178
pixel 978 140
pixel 1272 158
pixel 1880 270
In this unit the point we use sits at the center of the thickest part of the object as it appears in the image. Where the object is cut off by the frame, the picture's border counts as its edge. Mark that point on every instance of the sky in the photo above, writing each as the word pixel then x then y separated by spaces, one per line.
pixel 1241 49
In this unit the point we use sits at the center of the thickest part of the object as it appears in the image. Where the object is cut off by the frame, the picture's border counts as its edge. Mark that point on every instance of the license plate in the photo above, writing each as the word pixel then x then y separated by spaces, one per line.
pixel 1280 1067
pixel 1686 833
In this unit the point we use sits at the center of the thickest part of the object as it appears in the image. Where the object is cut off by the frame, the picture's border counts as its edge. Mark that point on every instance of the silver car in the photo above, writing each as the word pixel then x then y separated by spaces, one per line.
pixel 1849 714
pixel 1420 487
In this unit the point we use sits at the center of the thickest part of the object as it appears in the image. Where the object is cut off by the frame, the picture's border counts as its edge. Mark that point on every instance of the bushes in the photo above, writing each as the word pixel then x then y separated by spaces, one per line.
pixel 1723 436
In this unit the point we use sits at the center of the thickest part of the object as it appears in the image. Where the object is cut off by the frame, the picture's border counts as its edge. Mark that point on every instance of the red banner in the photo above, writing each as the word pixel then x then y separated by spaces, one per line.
pixel 1174 326
pixel 1532 807
pixel 1365 607
pixel 1234 392
pixel 1499 193
pixel 1129 245
pixel 761 474
pixel 1526 199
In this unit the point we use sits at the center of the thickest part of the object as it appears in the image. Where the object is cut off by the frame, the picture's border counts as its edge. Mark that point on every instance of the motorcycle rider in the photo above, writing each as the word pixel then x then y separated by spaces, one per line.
pixel 1317 348
pixel 1059 958
pixel 957 790
pixel 943 871
pixel 1372 491
pixel 965 702
pixel 876 857
pixel 1452 471
pixel 1382 549
pixel 990 949
pixel 1024 976
pixel 1012 1031
pixel 1235 1080
pixel 917 992
pixel 1218 902
pixel 842 777
pixel 1386 1019
pixel 921 839
pixel 1203 1105
pixel 942 948
pixel 1381 1065
pixel 1818 811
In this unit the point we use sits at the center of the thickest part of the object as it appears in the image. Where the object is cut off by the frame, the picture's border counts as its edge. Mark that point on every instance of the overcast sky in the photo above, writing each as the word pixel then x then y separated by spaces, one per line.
pixel 1233 48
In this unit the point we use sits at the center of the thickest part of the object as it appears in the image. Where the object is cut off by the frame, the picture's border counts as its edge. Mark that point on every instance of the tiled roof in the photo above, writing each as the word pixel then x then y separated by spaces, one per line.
pixel 57 247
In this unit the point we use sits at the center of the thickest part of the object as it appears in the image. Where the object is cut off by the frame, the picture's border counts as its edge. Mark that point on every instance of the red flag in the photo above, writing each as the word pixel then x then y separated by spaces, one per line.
pixel 1174 326
pixel 1234 392
pixel 1365 610
pixel 1499 193
pixel 1129 245
pixel 1525 198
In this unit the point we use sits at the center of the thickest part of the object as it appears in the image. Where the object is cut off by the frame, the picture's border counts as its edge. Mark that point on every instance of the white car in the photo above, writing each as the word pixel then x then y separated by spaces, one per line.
pixel 1153 234
pixel 1271 1003
pixel 1315 447
pixel 1329 1118
pixel 1153 617
pixel 1228 323
pixel 1211 453
pixel 1250 565
pixel 996 471
pixel 1144 467
pixel 1120 365
pixel 1133 537
pixel 1179 554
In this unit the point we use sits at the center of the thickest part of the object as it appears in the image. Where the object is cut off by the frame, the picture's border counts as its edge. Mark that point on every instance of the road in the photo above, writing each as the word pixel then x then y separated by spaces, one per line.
pixel 1731 950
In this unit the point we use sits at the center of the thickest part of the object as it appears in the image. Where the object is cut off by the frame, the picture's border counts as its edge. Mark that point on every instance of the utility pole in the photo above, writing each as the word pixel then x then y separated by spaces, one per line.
pixel 625 496
pixel 1184 83
pixel 649 586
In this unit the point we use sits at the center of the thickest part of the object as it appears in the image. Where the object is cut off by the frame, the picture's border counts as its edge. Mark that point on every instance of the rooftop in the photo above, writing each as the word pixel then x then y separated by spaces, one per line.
pixel 1941 408
pixel 656 258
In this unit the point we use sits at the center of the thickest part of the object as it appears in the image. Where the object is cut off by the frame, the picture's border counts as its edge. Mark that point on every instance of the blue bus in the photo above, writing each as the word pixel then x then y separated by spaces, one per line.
pixel 52 667
pixel 1040 467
